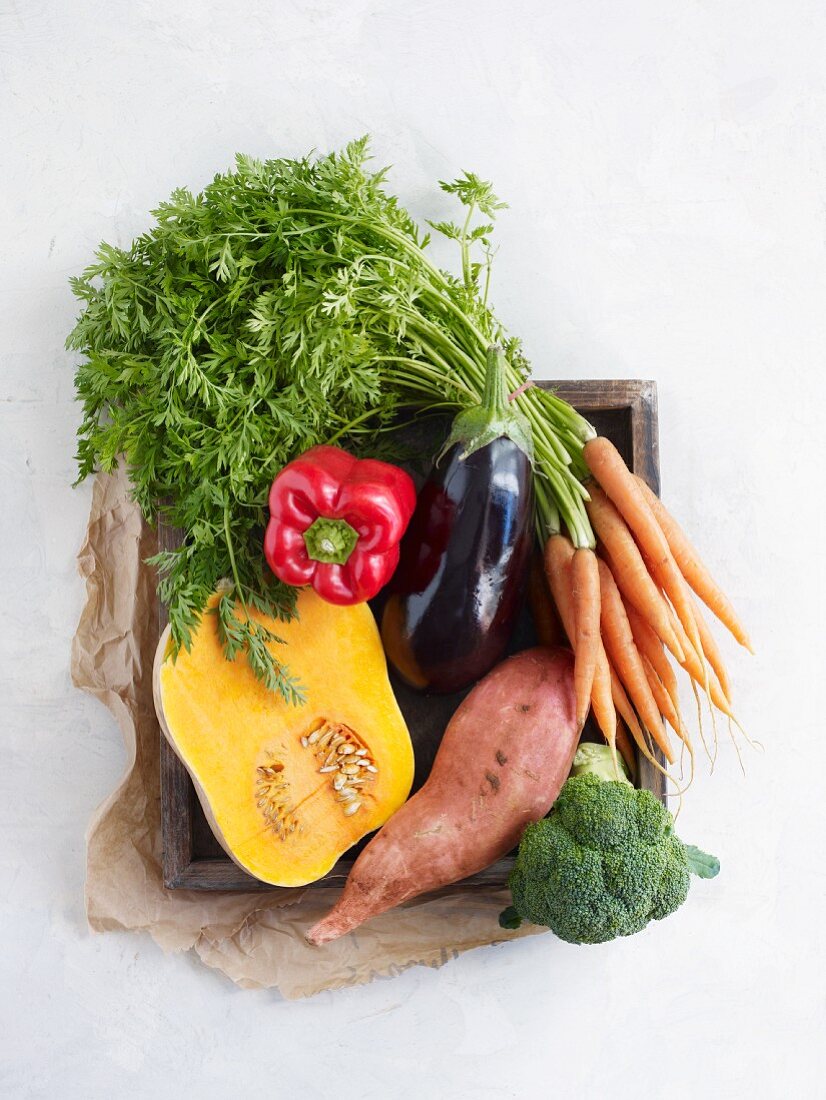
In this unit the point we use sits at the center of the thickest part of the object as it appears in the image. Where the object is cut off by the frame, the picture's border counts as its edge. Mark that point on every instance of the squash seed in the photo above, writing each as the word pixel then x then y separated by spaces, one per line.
pixel 339 753
pixel 273 798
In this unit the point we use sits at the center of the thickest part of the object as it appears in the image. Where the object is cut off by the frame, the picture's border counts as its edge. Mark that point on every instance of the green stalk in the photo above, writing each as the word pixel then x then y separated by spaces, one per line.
pixel 548 520
pixel 436 334
pixel 426 372
pixel 577 424
pixel 367 415
pixel 487 279
pixel 466 272
pixel 233 563
pixel 543 429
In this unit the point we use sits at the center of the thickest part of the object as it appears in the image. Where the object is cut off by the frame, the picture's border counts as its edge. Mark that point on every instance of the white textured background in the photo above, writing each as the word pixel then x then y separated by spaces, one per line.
pixel 665 165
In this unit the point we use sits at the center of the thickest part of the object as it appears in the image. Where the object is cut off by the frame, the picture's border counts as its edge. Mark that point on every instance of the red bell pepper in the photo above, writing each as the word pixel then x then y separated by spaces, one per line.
pixel 335 523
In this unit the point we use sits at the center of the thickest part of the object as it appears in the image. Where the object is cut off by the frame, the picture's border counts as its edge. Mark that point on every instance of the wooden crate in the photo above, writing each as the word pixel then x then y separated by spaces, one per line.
pixel 626 412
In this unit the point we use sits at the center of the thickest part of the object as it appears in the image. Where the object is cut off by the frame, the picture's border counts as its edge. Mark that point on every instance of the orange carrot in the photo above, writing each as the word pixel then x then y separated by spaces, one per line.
pixel 628 568
pixel 670 712
pixel 585 588
pixel 624 709
pixel 662 698
pixel 701 673
pixel 606 464
pixel 651 648
pixel 626 748
pixel 547 625
pixel 602 700
pixel 712 650
pixel 692 568
pixel 625 712
pixel 625 657
pixel 559 553
pixel 697 668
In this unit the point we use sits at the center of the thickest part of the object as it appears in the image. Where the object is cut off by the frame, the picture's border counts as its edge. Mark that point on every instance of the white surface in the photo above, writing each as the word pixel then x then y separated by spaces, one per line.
pixel 666 168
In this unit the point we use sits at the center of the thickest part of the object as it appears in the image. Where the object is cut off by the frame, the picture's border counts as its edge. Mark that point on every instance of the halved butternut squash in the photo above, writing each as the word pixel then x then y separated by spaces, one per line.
pixel 287 790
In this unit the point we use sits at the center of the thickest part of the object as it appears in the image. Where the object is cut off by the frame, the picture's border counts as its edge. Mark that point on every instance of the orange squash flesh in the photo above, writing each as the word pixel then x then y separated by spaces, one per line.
pixel 288 825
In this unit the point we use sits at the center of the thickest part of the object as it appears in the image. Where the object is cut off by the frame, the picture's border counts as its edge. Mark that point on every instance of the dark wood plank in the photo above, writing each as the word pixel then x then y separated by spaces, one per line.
pixel 646 463
pixel 625 411
pixel 177 792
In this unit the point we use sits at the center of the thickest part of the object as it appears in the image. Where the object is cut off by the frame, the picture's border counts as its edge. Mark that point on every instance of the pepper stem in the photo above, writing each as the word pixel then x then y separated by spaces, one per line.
pixel 330 541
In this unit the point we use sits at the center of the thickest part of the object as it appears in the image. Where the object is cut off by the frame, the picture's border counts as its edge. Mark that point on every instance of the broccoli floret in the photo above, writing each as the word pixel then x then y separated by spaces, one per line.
pixel 604 863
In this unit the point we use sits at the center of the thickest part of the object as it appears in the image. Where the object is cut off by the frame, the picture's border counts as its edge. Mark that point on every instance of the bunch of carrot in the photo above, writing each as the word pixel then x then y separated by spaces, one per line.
pixel 628 605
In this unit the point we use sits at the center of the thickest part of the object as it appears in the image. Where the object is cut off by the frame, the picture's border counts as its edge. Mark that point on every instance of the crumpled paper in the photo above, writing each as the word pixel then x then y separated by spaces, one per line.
pixel 257 941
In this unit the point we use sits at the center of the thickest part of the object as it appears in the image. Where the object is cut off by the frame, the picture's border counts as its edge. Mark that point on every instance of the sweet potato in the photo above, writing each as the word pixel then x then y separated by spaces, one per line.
pixel 503 759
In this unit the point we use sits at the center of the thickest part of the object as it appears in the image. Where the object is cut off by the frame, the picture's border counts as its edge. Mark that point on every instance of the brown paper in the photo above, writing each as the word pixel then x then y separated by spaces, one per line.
pixel 256 940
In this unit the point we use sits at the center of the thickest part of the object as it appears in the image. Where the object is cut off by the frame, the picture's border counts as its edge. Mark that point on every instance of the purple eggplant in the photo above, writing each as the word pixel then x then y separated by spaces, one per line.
pixel 457 592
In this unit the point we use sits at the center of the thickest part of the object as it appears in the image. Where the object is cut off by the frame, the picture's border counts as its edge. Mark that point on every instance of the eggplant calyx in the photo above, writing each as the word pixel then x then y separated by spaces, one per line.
pixel 494 418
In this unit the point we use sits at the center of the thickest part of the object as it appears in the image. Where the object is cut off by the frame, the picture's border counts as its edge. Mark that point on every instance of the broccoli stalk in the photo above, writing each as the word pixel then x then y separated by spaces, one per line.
pixel 605 862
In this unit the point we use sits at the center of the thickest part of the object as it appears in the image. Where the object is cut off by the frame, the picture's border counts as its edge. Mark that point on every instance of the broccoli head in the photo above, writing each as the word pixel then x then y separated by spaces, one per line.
pixel 604 863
